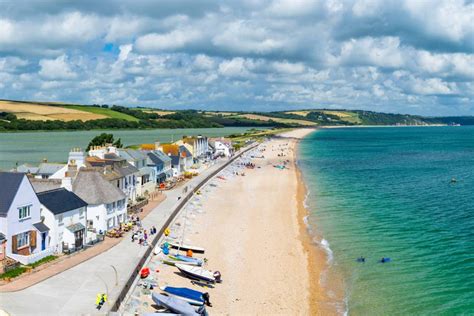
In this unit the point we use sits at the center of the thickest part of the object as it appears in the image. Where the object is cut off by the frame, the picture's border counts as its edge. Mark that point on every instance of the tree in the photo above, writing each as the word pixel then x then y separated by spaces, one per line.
pixel 118 143
pixel 102 140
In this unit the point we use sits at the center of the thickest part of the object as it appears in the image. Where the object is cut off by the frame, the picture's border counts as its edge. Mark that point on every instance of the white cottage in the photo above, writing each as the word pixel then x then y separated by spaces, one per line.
pixel 66 216
pixel 106 203
pixel 26 236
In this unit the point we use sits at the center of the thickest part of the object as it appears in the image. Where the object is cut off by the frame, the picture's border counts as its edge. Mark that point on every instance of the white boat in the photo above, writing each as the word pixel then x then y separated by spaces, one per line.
pixel 186 247
pixel 199 273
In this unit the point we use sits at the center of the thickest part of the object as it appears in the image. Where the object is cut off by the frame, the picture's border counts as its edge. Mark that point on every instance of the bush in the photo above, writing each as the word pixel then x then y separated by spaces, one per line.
pixel 43 261
pixel 13 273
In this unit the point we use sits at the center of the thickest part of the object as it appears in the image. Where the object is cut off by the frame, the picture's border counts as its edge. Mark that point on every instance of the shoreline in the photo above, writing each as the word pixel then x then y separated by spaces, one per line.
pixel 324 299
pixel 254 233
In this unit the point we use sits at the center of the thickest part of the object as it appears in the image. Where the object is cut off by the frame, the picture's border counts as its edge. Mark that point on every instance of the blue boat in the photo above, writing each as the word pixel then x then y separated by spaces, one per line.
pixel 188 295
pixel 189 259
pixel 174 304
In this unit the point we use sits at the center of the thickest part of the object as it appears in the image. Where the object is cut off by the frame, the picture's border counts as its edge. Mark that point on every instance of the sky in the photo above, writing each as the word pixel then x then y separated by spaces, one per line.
pixel 402 56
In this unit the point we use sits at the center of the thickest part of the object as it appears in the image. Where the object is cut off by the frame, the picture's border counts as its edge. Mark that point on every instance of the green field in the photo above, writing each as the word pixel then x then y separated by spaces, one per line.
pixel 103 111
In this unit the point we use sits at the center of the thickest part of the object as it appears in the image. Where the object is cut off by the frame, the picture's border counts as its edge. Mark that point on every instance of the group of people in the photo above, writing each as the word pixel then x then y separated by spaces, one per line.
pixel 140 234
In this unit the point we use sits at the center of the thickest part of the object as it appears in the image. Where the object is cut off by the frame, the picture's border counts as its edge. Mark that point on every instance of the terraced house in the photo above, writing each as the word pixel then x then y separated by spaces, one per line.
pixel 25 236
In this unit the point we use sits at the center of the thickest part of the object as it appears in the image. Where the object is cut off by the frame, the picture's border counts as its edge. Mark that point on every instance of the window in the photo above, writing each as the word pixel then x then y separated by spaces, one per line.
pixel 23 239
pixel 110 208
pixel 81 213
pixel 60 219
pixel 24 212
pixel 110 223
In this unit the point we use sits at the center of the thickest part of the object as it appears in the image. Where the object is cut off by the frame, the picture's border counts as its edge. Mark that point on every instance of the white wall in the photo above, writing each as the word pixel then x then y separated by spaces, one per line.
pixel 100 217
pixel 25 196
pixel 59 232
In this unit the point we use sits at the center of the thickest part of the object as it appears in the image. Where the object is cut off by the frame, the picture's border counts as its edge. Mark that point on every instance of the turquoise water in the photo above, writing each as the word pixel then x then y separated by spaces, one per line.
pixel 387 192
pixel 32 147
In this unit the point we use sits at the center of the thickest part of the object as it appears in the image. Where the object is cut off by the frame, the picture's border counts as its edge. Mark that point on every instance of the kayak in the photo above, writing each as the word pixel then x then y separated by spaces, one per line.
pixel 191 296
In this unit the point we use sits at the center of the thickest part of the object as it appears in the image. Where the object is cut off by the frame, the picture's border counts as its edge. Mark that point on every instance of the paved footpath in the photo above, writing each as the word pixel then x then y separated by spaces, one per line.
pixel 73 291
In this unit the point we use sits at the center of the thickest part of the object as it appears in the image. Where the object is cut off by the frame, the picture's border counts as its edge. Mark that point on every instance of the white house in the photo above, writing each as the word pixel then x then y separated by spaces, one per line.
pixel 117 170
pixel 26 236
pixel 106 203
pixel 221 146
pixel 146 177
pixel 66 216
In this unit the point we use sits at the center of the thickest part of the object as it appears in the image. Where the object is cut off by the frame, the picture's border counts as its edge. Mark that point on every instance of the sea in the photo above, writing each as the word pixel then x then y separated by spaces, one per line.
pixel 54 146
pixel 404 193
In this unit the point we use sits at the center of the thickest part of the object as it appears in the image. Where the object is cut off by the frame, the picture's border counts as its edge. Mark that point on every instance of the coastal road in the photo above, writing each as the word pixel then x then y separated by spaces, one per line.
pixel 73 291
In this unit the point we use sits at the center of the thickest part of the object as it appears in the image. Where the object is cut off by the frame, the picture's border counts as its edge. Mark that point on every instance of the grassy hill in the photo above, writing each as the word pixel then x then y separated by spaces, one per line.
pixel 102 111
pixel 26 115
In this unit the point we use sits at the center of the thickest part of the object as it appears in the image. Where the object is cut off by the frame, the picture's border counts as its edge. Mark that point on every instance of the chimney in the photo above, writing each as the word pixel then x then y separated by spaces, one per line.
pixel 157 145
pixel 67 183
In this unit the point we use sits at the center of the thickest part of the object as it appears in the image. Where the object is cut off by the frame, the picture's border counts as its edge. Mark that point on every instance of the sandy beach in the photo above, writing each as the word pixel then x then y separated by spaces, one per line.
pixel 253 231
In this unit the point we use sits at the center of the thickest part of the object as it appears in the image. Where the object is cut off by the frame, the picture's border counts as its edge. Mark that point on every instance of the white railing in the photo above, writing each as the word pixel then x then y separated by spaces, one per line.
pixel 33 257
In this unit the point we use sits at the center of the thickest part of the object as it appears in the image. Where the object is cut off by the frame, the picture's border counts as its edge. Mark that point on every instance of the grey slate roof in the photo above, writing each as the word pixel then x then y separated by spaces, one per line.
pixel 154 159
pixel 145 171
pixel 76 227
pixel 157 157
pixel 49 168
pixel 132 154
pixel 60 200
pixel 27 168
pixel 175 160
pixel 41 185
pixel 9 184
pixel 127 169
pixel 162 155
pixel 90 186
pixel 41 227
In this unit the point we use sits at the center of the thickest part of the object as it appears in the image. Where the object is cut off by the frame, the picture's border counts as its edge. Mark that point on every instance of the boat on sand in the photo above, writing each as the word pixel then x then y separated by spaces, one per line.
pixel 174 304
pixel 189 295
pixel 199 273
pixel 185 247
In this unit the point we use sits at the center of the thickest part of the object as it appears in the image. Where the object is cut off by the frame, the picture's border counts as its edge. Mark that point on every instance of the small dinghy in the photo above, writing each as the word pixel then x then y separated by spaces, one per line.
pixel 185 247
pixel 174 262
pixel 191 296
pixel 173 304
pixel 198 262
pixel 199 273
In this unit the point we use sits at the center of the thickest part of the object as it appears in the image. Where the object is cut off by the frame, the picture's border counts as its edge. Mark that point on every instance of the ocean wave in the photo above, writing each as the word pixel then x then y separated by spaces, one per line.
pixel 325 245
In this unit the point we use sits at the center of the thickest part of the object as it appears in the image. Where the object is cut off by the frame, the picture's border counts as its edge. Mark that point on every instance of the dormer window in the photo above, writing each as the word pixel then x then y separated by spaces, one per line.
pixel 24 212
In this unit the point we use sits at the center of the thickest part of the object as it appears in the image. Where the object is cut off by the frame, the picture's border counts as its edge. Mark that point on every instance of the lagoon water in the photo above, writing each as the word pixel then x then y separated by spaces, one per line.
pixel 33 147
pixel 388 192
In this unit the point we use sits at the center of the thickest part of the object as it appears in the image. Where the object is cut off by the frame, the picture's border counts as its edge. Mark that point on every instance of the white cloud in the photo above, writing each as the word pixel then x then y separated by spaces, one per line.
pixel 383 52
pixel 288 68
pixel 204 62
pixel 432 86
pixel 375 54
pixel 247 38
pixel 175 39
pixel 56 69
pixel 236 67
